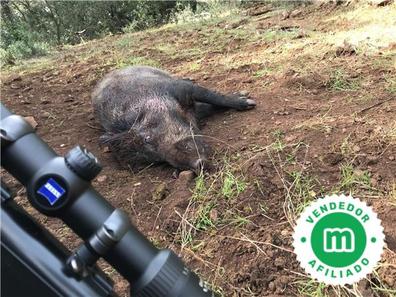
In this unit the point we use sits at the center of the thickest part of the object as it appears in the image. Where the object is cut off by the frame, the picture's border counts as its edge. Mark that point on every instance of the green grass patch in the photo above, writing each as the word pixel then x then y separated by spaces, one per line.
pixel 311 288
pixel 124 42
pixel 263 72
pixel 203 219
pixel 232 185
pixel 278 145
pixel 200 191
pixel 302 190
pixel 271 35
pixel 352 179
pixel 390 85
pixel 339 82
pixel 131 61
pixel 240 221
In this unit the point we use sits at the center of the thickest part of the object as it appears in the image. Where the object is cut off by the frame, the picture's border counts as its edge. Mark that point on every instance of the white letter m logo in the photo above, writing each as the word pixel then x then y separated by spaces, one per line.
pixel 338 240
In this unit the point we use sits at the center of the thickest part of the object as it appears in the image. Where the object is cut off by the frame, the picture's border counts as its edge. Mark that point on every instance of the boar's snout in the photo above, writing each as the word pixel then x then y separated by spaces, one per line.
pixel 189 153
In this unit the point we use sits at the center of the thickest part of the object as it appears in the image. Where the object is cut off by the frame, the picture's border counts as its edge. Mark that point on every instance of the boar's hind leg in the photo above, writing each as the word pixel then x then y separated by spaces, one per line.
pixel 204 110
pixel 238 102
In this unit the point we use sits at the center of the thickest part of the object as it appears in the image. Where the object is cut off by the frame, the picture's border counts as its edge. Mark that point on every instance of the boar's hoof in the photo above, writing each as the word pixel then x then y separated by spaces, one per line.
pixel 246 104
pixel 250 103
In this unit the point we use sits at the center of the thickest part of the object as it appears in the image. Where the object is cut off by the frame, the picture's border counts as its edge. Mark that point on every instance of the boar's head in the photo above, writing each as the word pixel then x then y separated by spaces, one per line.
pixel 171 138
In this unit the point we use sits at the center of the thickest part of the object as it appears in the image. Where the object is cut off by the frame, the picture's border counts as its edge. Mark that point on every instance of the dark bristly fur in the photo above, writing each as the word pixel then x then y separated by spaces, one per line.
pixel 151 116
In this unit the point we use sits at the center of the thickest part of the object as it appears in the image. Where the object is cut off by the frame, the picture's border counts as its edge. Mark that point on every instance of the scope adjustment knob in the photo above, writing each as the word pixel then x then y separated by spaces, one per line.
pixel 83 163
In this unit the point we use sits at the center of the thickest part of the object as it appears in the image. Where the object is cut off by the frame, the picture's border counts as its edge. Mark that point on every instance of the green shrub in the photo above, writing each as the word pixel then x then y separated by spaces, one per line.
pixel 184 12
pixel 142 19
pixel 6 58
pixel 23 50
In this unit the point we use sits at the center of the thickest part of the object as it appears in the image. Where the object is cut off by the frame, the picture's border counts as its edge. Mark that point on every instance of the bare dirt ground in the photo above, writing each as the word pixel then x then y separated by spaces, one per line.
pixel 324 79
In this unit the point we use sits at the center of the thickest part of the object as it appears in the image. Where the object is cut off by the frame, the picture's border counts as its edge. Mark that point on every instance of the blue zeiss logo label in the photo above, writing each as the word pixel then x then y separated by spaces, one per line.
pixel 52 191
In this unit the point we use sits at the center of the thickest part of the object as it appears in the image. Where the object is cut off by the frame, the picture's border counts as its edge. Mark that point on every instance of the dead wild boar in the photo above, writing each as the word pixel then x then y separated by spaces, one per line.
pixel 150 116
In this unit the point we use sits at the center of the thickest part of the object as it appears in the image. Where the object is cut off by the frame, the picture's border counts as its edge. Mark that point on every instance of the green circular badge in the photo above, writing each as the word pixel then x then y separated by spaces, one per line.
pixel 338 239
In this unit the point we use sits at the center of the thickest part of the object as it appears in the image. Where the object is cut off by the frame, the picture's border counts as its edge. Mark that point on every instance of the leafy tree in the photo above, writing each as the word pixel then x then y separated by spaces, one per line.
pixel 26 26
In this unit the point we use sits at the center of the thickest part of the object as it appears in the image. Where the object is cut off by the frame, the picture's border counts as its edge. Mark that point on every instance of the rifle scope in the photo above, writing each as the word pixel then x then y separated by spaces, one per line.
pixel 60 187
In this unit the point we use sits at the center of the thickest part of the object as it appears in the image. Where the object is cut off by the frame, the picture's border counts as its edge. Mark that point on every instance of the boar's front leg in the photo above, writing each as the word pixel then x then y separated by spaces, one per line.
pixel 238 102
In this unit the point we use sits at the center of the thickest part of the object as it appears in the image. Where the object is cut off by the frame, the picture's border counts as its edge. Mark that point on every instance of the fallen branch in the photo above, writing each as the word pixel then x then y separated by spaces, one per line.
pixel 374 105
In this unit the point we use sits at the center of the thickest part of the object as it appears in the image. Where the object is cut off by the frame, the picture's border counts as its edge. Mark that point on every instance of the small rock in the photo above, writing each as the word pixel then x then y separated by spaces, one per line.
pixel 186 177
pixel 371 160
pixel 244 93
pixel 213 214
pixel 346 49
pixel 14 86
pixel 391 158
pixel 137 184
pixel 376 180
pixel 271 286
pixel 356 148
pixel 284 280
pixel 15 78
pixel 106 149
pixel 31 120
pixel 290 138
pixel 377 177
pixel 161 191
pixel 285 15
pixel 280 262
pixel 365 288
pixel 44 101
pixel 295 13
pixel 389 279
pixel 301 34
pixel 333 158
pixel 285 232
pixel 102 178
pixel 378 130
pixel 46 114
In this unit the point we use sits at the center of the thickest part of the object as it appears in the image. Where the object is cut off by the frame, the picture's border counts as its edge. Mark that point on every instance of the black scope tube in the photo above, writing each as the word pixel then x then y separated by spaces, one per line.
pixel 134 257
pixel 28 154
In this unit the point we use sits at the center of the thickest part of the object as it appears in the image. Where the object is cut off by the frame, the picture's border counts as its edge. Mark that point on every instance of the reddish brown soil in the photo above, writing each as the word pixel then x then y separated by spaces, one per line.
pixel 59 100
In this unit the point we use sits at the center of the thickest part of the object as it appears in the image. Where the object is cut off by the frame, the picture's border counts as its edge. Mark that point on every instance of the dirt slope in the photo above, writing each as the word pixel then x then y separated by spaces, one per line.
pixel 325 83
